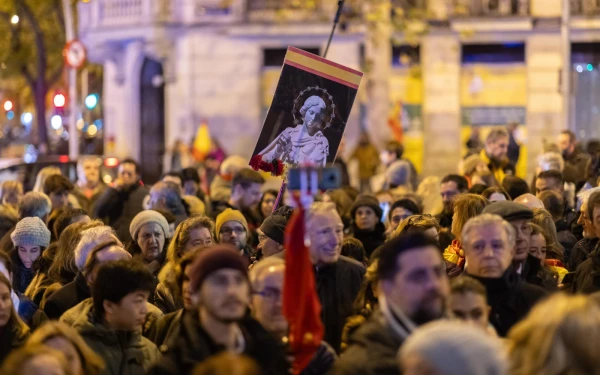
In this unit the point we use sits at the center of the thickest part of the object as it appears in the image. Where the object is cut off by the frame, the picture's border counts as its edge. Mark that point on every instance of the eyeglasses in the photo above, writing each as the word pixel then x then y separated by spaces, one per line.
pixel 229 231
pixel 269 293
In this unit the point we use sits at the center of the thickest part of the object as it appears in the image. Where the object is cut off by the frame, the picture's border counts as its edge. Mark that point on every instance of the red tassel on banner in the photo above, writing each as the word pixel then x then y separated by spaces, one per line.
pixel 256 162
pixel 301 305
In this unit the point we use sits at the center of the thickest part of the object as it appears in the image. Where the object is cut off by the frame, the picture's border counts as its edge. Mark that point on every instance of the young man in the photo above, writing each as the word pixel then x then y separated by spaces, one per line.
pixel 89 187
pixel 113 327
pixel 489 243
pixel 231 228
pixel 451 186
pixel 567 143
pixel 219 279
pixel 120 203
pixel 495 154
pixel 266 278
pixel 58 188
pixel 413 288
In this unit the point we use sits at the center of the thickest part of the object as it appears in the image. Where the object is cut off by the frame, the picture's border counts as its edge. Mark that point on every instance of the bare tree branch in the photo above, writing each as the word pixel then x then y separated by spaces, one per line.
pixel 39 37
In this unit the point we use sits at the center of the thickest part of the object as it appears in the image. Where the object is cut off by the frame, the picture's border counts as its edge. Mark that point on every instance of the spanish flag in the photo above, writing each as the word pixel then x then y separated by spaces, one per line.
pixel 301 305
pixel 202 142
pixel 395 122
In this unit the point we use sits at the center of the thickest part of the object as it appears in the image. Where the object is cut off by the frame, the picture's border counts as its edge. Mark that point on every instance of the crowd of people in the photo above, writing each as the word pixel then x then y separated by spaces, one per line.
pixel 479 272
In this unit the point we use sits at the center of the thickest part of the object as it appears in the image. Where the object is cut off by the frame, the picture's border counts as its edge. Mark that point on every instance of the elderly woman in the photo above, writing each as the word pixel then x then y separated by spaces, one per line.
pixel 149 232
pixel 304 143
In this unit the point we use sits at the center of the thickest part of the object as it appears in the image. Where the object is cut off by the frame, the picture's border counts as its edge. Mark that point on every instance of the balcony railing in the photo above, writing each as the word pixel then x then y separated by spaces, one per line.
pixel 491 8
pixel 585 7
pixel 110 13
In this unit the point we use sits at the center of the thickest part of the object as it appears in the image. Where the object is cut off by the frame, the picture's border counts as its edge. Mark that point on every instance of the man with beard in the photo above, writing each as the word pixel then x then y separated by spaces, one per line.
pixel 413 287
pixel 489 243
pixel 231 227
pixel 451 186
pixel 567 143
pixel 495 154
pixel 219 279
pixel 338 278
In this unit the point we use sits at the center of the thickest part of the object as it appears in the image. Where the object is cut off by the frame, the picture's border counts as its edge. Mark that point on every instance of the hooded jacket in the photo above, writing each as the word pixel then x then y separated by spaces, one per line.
pixel 587 275
pixel 337 287
pixel 193 345
pixel 510 299
pixel 124 353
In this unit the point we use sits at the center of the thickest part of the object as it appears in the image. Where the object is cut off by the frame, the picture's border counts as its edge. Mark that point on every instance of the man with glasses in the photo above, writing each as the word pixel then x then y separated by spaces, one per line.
pixel 232 228
pixel 266 279
pixel 489 243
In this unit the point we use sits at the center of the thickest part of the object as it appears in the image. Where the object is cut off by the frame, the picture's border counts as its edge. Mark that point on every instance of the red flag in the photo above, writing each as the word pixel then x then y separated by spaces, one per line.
pixel 301 305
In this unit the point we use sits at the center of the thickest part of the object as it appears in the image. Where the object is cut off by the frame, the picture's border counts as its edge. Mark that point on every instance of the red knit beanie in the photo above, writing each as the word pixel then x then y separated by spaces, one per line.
pixel 213 259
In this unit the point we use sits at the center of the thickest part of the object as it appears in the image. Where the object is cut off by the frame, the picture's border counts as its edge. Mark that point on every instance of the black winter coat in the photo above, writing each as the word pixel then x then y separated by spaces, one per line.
pixel 194 345
pixel 117 208
pixel 372 350
pixel 166 330
pixel 370 240
pixel 534 274
pixel 587 275
pixel 510 299
pixel 565 237
pixel 68 296
pixel 337 286
pixel 10 339
pixel 581 252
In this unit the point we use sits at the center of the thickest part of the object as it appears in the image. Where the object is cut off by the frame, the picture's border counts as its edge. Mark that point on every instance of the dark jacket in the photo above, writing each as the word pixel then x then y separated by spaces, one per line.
pixel 533 273
pixel 11 339
pixel 118 208
pixel 372 350
pixel 510 299
pixel 322 361
pixel 444 220
pixel 565 237
pixel 581 251
pixel 124 353
pixel 587 275
pixel 165 298
pixel 194 345
pixel 66 297
pixel 371 240
pixel 88 203
pixel 166 330
pixel 337 286
pixel 575 167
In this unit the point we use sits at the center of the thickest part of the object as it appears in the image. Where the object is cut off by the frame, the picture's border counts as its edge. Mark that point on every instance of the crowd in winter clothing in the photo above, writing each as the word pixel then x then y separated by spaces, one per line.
pixel 479 272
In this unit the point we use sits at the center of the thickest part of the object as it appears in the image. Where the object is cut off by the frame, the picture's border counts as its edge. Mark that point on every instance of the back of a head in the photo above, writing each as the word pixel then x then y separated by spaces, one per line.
pixel 398 174
pixel 564 341
pixel 260 267
pixel 461 182
pixel 395 147
pixel 551 161
pixel 8 219
pixel 190 174
pixel 454 348
pixel 116 279
pixel 551 174
pixel 393 248
pixel 57 184
pixel 515 186
pixel 42 175
pixel 228 363
pixel 529 200
pixel 353 248
pixel 416 223
pixel 553 203
pixel 27 360
pixel 232 165
pixel 35 204
pixel 90 238
pixel 246 178
pixel 466 206
pixel 593 202
pixel 65 218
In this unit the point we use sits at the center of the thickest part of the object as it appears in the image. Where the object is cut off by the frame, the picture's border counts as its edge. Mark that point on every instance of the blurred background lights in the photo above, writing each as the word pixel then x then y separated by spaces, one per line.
pixel 579 68
pixel 8 105
pixel 80 124
pixel 91 101
pixel 10 115
pixel 56 122
pixel 590 67
pixel 14 19
pixel 26 118
pixel 92 130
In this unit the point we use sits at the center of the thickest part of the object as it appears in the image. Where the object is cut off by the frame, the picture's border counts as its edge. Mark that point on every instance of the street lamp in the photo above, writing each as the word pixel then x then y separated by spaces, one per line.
pixel 14 19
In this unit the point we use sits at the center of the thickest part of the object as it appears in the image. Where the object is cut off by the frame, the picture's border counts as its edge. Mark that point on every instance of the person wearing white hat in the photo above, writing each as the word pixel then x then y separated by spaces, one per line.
pixel 149 232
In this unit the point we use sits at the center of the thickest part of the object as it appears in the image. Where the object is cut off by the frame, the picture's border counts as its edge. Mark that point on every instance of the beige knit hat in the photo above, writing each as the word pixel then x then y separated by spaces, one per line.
pixel 31 231
pixel 147 217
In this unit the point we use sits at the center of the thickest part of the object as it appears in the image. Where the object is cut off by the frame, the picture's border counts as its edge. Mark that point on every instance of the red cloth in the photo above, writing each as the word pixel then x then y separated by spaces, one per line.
pixel 301 305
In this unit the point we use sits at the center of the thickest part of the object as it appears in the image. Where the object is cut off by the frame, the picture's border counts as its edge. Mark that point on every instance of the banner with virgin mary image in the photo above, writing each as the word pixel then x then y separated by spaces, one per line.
pixel 308 115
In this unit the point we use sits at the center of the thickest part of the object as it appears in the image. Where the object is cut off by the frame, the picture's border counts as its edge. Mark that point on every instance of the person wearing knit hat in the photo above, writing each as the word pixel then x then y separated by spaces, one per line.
pixel 30 238
pixel 452 348
pixel 219 279
pixel 231 227
pixel 367 227
pixel 149 232
pixel 271 232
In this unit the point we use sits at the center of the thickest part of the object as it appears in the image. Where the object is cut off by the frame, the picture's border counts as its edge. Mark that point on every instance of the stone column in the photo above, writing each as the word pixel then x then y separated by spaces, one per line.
pixel 440 64
pixel 544 103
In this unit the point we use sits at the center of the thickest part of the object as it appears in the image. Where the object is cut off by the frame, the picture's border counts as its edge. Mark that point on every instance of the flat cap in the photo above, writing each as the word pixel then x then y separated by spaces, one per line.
pixel 509 211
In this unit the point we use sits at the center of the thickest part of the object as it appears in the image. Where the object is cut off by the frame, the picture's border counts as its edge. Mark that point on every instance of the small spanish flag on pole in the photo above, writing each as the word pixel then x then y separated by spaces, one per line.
pixel 202 142
pixel 395 122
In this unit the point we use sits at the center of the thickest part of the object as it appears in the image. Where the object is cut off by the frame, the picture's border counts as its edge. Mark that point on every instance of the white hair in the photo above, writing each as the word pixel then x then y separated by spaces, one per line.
pixel 260 267
pixel 585 195
pixel 484 220
pixel 318 208
pixel 551 161
pixel 90 238
pixel 35 204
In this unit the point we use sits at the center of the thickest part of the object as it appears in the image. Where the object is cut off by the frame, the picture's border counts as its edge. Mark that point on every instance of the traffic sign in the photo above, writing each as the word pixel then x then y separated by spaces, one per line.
pixel 75 54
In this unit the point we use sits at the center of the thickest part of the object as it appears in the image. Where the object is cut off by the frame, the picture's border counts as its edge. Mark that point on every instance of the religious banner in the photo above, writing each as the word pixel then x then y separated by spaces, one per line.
pixel 308 115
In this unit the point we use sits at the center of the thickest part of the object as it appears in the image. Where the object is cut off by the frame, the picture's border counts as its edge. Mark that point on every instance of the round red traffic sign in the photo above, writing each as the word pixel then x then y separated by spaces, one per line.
pixel 75 54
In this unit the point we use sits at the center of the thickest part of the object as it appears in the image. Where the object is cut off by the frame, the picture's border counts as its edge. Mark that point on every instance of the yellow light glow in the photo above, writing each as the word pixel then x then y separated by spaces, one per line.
pixel 92 130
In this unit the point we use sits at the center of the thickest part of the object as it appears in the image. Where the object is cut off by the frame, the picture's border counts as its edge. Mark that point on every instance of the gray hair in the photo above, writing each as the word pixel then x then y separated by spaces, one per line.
pixel 484 220
pixel 551 161
pixel 172 194
pixel 318 208
pixel 86 158
pixel 35 204
pixel 585 195
pixel 89 240
pixel 261 267
pixel 496 134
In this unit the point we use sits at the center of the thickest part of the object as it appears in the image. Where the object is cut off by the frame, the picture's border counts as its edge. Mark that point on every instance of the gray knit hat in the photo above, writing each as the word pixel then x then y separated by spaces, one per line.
pixel 31 231
pixel 147 217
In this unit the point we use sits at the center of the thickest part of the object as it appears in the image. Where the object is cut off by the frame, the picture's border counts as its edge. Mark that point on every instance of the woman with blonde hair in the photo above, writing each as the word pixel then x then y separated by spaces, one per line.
pixel 466 206
pixel 36 360
pixel 13 331
pixel 560 335
pixel 193 233
pixel 11 193
pixel 42 175
pixel 429 191
pixel 59 336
